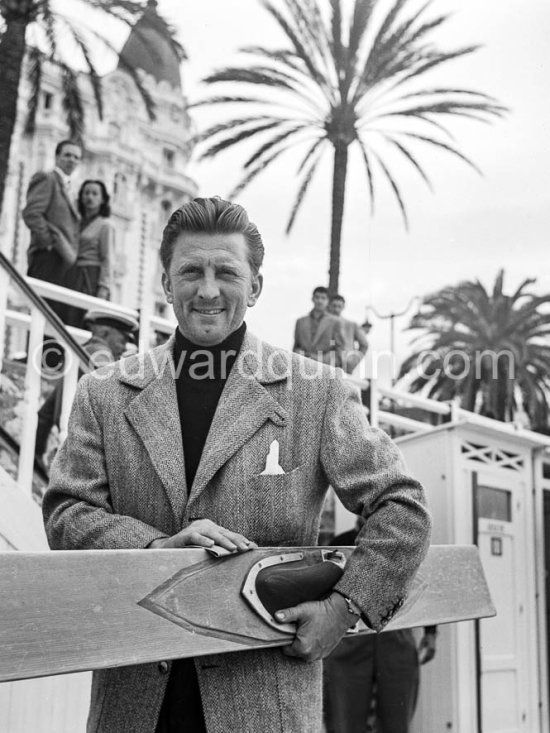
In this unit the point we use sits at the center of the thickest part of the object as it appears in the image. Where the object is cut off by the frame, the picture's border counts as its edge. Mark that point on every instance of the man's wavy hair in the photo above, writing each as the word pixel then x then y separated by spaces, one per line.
pixel 212 216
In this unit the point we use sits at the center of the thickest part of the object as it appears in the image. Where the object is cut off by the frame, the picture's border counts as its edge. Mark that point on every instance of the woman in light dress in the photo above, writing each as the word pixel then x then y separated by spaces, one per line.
pixel 91 273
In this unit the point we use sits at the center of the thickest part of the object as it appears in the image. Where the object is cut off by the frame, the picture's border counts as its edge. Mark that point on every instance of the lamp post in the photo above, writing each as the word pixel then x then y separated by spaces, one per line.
pixel 392 316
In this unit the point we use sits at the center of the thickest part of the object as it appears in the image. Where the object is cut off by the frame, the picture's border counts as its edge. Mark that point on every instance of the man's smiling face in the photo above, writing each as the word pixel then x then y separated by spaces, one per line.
pixel 210 285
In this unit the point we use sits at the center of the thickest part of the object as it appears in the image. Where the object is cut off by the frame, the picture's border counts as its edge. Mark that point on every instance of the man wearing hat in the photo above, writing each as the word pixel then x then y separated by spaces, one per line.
pixel 111 334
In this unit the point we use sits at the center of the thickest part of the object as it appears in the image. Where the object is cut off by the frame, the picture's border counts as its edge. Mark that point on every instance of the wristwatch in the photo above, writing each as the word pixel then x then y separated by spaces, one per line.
pixel 352 607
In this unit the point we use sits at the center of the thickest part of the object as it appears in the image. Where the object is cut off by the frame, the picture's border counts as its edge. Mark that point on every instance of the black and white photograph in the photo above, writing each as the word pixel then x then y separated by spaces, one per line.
pixel 274 366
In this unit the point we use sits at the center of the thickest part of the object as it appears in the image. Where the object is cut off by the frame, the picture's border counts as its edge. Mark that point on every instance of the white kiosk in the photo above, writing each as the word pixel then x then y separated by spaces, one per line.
pixel 485 487
pixel 488 483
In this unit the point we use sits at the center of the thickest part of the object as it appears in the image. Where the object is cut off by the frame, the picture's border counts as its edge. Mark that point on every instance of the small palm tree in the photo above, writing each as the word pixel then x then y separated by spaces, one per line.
pixel 341 83
pixel 18 18
pixel 489 350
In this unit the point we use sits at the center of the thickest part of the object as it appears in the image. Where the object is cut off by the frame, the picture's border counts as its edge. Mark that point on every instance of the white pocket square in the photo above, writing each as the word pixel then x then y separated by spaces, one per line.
pixel 272 467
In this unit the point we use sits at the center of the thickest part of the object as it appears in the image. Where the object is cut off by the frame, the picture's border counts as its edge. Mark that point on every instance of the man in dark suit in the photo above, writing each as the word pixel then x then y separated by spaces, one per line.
pixel 319 335
pixel 355 339
pixel 52 217
pixel 382 666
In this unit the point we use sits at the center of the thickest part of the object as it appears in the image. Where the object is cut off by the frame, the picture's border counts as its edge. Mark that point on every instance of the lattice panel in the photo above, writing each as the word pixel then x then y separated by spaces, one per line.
pixel 492 456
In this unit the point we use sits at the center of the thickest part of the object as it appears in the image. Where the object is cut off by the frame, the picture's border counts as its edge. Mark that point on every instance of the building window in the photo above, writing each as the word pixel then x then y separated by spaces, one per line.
pixel 160 309
pixel 169 157
pixel 48 100
pixel 120 188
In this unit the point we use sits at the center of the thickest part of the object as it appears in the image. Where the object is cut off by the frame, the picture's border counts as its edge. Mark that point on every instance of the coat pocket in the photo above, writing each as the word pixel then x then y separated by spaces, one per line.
pixel 277 481
pixel 276 507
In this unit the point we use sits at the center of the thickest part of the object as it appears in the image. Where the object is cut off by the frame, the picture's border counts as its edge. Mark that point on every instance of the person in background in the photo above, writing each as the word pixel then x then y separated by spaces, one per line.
pixel 53 221
pixel 355 339
pixel 91 273
pixel 111 335
pixel 384 666
pixel 319 335
pixel 52 217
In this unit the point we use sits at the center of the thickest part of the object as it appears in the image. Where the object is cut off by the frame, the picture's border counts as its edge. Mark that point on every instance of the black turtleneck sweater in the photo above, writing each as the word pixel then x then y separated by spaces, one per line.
pixel 201 374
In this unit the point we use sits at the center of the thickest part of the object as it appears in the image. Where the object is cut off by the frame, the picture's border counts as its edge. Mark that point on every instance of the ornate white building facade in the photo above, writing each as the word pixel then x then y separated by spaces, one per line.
pixel 142 162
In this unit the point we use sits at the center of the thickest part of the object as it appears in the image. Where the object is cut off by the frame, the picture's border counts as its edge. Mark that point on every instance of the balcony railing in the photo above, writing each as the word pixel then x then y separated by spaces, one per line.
pixel 36 321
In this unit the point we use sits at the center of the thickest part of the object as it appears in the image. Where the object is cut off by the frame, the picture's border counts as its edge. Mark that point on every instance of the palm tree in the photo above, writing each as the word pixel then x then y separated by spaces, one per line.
pixel 489 350
pixel 18 18
pixel 343 82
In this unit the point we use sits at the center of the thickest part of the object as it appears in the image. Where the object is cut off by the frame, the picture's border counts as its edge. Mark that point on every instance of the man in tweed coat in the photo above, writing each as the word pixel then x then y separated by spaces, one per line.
pixel 159 456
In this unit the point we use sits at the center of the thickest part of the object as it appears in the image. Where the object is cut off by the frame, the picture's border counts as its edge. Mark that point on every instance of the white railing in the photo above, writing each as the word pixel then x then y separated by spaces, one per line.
pixel 31 328
pixel 451 410
pixel 33 325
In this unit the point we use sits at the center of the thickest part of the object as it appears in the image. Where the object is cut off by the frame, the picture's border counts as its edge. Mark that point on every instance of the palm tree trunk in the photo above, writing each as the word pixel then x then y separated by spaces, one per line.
pixel 12 52
pixel 503 391
pixel 468 401
pixel 338 196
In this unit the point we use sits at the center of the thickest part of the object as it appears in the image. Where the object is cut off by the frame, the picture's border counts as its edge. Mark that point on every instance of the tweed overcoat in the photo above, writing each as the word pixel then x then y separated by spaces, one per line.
pixel 119 482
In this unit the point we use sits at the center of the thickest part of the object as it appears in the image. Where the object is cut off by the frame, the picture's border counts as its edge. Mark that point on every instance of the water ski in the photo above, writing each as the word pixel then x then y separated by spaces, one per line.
pixel 78 610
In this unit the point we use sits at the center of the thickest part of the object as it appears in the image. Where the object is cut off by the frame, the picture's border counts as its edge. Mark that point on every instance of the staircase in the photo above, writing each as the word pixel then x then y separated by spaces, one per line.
pixel 60 703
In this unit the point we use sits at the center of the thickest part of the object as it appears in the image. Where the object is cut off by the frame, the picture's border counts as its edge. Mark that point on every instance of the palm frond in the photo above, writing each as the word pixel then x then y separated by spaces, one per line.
pixel 72 102
pixel 362 13
pixel 306 16
pixel 377 48
pixel 428 26
pixel 395 188
pixel 95 79
pixel 368 168
pixel 519 292
pixel 410 157
pixel 319 29
pixel 48 24
pixel 283 56
pixel 395 54
pixel 270 144
pixel 227 99
pixel 218 128
pixel 251 175
pixel 312 150
pixel 302 191
pixel 337 45
pixel 443 146
pixel 437 59
pixel 445 91
pixel 267 77
pixel 262 75
pixel 238 138
pixel 300 49
pixel 35 81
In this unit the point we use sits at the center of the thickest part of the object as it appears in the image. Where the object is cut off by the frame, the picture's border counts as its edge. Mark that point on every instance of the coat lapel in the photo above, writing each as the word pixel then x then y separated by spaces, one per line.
pixel 244 407
pixel 154 415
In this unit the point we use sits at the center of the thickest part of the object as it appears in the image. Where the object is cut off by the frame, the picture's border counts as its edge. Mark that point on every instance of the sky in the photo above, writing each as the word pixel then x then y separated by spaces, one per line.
pixel 469 227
